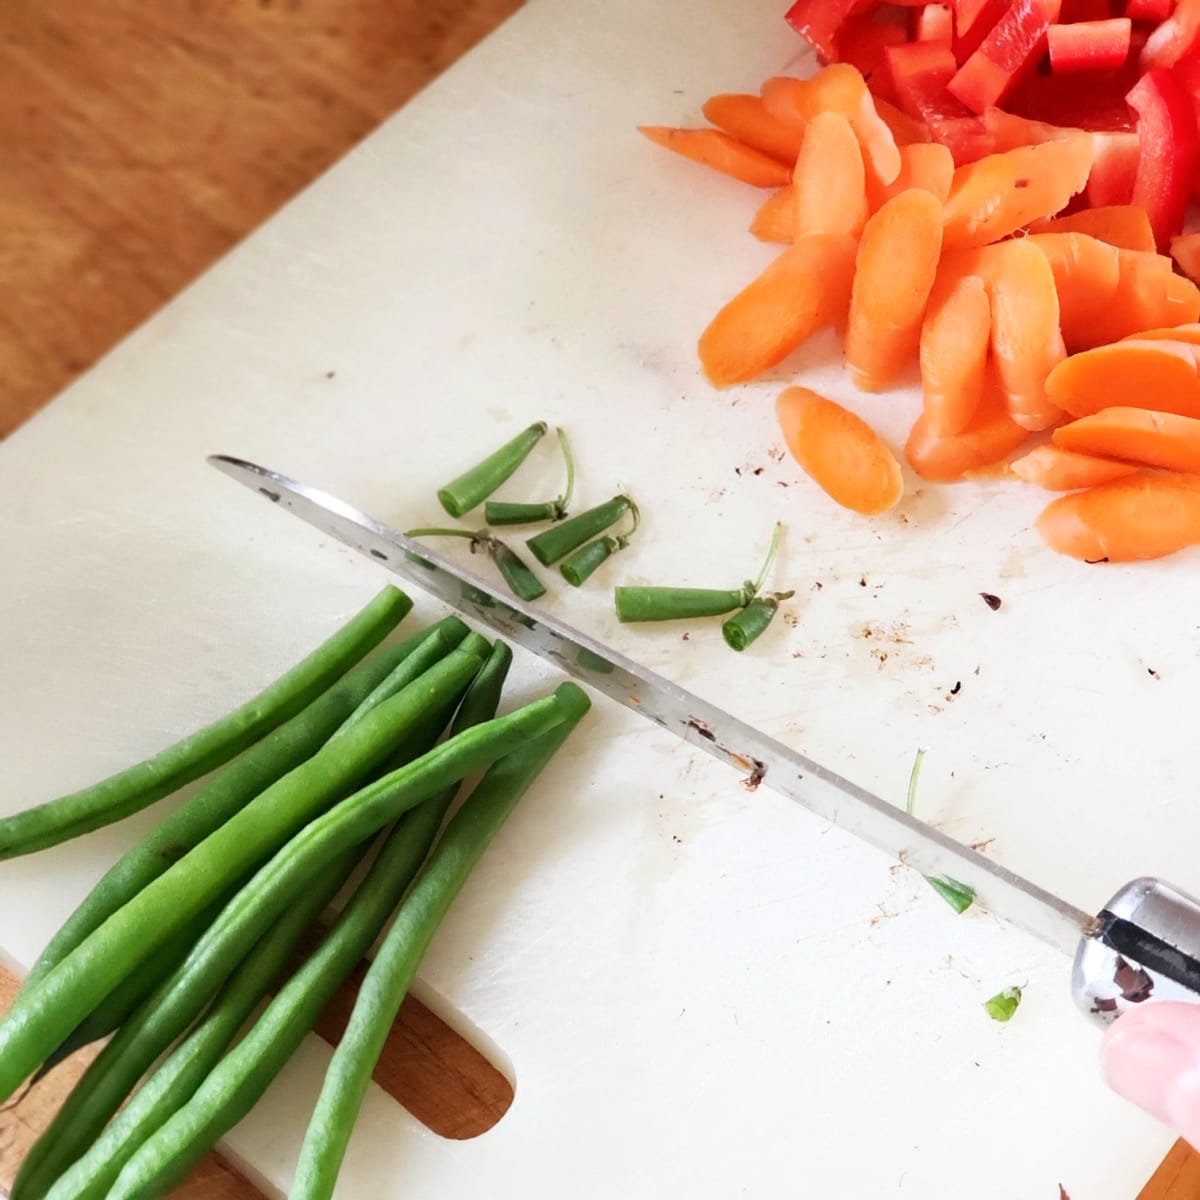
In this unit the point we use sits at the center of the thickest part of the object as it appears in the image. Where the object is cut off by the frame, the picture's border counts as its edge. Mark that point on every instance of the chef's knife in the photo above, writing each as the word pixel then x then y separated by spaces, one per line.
pixel 1144 944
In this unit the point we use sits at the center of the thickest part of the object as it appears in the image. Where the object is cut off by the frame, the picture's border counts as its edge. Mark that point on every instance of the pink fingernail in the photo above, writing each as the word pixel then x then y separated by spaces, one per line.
pixel 1152 1069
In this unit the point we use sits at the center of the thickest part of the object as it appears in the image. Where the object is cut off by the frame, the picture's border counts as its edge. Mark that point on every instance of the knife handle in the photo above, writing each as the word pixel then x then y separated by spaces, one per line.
pixel 1143 945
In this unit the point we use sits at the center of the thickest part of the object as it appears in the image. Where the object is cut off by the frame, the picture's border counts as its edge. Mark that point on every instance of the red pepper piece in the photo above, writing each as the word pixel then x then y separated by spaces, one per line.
pixel 973 21
pixel 1174 38
pixel 1089 45
pixel 1168 148
pixel 1094 100
pixel 1114 169
pixel 1149 10
pixel 1010 50
pixel 920 72
pixel 935 23
pixel 862 41
pixel 1090 10
pixel 819 22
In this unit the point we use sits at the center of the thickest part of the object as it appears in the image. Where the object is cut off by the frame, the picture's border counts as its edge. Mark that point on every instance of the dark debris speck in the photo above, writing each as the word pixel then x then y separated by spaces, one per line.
pixel 956 688
pixel 1153 673
pixel 991 600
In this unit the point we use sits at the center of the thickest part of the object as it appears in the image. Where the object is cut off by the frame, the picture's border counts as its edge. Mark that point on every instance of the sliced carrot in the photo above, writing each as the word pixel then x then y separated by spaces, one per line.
pixel 1171 333
pixel 1008 131
pixel 906 130
pixel 1154 439
pixel 1131 374
pixel 925 165
pixel 1149 295
pixel 1185 250
pixel 1001 193
pixel 721 152
pixel 1087 273
pixel 1026 341
pixel 745 117
pixel 895 269
pixel 990 438
pixel 829 186
pixel 953 354
pixel 1143 516
pixel 839 451
pixel 838 88
pixel 1059 470
pixel 1124 225
pixel 804 289
pixel 774 220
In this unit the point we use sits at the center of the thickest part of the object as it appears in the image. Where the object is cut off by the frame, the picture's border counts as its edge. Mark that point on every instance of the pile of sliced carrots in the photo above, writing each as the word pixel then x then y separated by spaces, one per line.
pixel 1067 337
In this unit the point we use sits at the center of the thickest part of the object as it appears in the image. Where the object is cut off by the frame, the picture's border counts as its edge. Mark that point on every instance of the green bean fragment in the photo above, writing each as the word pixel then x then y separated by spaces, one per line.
pixel 960 896
pixel 167 1013
pixel 139 786
pixel 68 992
pixel 559 540
pixel 172 1083
pixel 676 604
pixel 502 512
pixel 259 767
pixel 581 564
pixel 390 975
pixel 515 571
pixel 1003 1005
pixel 748 624
pixel 476 485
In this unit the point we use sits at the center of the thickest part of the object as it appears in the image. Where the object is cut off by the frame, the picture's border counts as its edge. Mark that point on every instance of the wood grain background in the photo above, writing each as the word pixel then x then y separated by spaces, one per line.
pixel 141 141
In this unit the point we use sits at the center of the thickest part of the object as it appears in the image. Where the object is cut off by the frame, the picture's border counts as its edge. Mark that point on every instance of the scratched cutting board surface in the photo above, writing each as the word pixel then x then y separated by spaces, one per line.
pixel 696 989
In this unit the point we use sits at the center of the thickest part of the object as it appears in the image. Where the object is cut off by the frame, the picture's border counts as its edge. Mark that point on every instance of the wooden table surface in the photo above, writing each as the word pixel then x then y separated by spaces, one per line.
pixel 141 142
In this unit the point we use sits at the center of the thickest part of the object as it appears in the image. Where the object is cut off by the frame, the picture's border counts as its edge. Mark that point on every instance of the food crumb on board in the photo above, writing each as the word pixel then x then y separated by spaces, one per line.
pixel 956 688
pixel 330 374
pixel 1153 673
pixel 991 600
pixel 816 587
pixel 686 636
pixel 862 581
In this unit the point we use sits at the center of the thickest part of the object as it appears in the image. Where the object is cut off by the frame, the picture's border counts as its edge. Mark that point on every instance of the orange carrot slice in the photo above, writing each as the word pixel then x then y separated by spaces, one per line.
pixel 895 269
pixel 926 165
pixel 1087 273
pixel 997 195
pixel 745 117
pixel 1124 225
pixel 1059 470
pixel 1149 295
pixel 953 354
pixel 836 448
pixel 1171 333
pixel 774 219
pixel 829 187
pixel 721 152
pixel 1026 341
pixel 991 437
pixel 1185 250
pixel 1154 439
pixel 1131 374
pixel 906 130
pixel 1140 517
pixel 838 88
pixel 804 289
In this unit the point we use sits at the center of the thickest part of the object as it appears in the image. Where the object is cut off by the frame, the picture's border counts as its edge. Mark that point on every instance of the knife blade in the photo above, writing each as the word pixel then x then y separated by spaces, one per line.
pixel 1146 941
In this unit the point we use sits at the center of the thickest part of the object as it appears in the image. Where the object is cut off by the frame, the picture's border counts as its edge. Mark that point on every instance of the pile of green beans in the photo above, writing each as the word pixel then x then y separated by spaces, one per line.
pixel 177 946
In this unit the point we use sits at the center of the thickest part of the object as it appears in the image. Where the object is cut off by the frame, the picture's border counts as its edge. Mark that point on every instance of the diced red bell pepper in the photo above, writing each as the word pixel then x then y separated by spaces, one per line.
pixel 1168 149
pixel 1089 10
pixel 1089 45
pixel 819 22
pixel 973 21
pixel 863 40
pixel 1094 100
pixel 920 72
pixel 935 23
pixel 1174 38
pixel 1149 10
pixel 1010 50
pixel 1114 169
pixel 967 138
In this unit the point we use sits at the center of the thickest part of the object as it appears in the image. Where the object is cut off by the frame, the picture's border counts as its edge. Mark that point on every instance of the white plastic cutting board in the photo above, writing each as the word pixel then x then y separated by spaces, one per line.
pixel 697 990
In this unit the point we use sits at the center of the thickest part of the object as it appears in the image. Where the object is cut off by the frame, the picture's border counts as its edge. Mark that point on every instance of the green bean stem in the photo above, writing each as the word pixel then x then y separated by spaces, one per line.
pixel 749 623
pixel 477 484
pixel 261 765
pixel 139 786
pixel 581 564
pixel 960 896
pixel 500 512
pixel 67 993
pixel 515 571
pixel 167 1013
pixel 559 540
pixel 173 1082
pixel 391 973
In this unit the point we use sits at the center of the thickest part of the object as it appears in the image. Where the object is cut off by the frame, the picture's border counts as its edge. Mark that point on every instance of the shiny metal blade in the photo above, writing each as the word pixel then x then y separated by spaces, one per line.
pixel 761 759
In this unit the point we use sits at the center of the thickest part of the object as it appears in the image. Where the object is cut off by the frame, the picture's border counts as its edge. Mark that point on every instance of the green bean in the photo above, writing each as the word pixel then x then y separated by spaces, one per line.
pixel 174 1082
pixel 66 994
pixel 139 786
pixel 167 1013
pixel 391 973
pixel 559 540
pixel 749 623
pixel 477 484
pixel 581 564
pixel 261 765
pixel 675 604
pixel 500 512
pixel 244 1074
pixel 517 573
